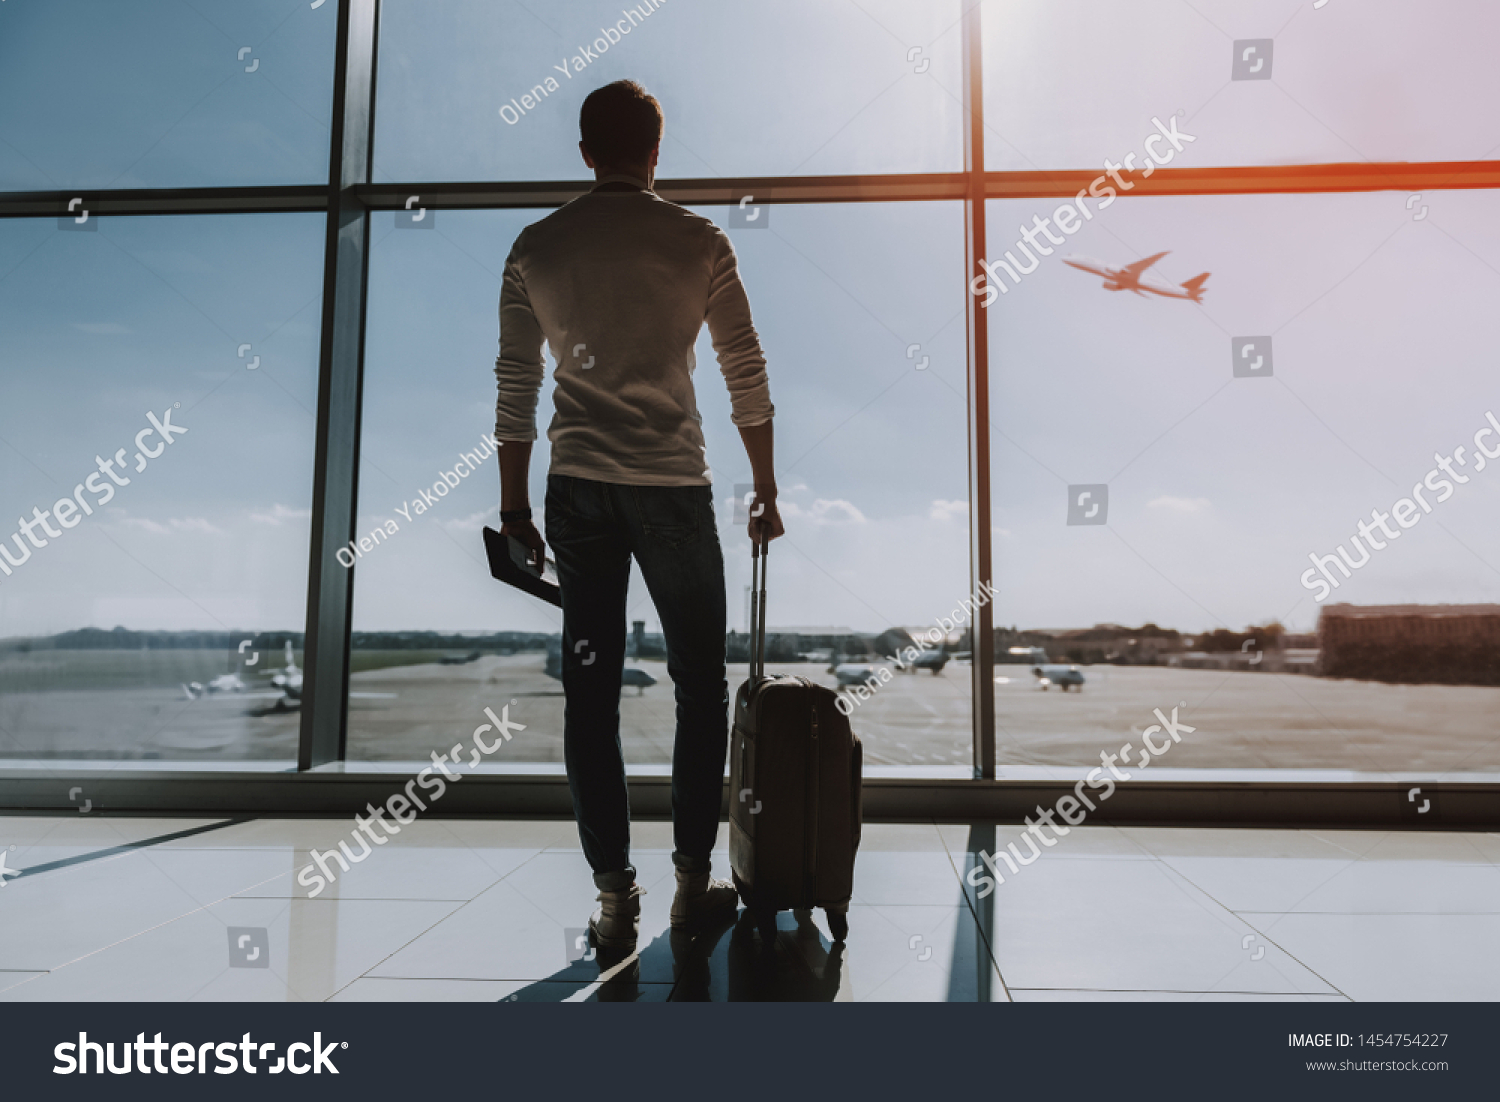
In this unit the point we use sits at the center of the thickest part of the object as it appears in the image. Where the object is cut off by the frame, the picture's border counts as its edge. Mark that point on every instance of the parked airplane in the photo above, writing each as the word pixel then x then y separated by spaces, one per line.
pixel 852 673
pixel 1135 277
pixel 631 676
pixel 224 683
pixel 286 681
pixel 1061 676
pixel 1047 673
pixel 933 660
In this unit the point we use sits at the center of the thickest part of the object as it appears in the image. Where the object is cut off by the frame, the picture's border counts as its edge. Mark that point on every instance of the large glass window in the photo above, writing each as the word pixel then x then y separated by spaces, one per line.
pixel 100 94
pixel 134 567
pixel 1069 83
pixel 487 90
pixel 1166 471
pixel 856 308
pixel 1172 474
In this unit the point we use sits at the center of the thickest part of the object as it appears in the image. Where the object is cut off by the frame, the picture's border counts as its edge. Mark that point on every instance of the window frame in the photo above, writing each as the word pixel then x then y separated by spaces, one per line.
pixel 322 784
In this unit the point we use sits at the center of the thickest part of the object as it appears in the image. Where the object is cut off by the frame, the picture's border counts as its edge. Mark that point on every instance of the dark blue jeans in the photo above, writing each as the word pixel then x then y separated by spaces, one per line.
pixel 594 528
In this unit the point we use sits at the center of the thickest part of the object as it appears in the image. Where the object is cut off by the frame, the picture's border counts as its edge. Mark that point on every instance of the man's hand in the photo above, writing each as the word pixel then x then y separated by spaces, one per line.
pixel 525 531
pixel 765 518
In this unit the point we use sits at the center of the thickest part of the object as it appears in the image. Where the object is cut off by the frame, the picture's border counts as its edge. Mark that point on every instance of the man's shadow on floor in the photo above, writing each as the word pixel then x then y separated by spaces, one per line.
pixel 723 963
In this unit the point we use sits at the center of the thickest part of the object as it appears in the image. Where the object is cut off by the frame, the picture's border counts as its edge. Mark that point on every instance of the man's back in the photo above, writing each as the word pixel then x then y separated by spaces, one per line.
pixel 619 282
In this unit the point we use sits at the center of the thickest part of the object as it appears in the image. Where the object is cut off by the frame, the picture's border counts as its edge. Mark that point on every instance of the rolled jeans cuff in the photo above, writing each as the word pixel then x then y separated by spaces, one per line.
pixel 616 881
pixel 693 866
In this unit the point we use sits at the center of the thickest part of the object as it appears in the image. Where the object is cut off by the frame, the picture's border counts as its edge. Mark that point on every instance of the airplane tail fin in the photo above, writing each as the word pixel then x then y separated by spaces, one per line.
pixel 1194 286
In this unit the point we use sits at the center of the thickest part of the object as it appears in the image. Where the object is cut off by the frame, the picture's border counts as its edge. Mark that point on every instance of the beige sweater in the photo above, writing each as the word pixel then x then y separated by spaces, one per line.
pixel 618 284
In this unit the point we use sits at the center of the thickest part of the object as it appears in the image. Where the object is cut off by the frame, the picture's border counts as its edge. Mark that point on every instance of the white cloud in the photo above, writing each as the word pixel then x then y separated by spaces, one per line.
pixel 280 513
pixel 1180 504
pixel 823 511
pixel 948 510
pixel 174 524
pixel 475 521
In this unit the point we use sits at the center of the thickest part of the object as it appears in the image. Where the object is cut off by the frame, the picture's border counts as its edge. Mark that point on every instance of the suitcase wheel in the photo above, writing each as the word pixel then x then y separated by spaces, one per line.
pixel 838 924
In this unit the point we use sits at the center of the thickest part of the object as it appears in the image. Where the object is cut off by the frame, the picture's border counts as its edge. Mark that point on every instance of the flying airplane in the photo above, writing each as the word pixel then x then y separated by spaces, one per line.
pixel 630 676
pixel 1135 277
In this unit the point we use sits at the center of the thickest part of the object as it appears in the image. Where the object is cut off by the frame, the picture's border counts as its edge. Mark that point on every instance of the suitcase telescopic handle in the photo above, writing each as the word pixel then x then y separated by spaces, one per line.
pixel 759 554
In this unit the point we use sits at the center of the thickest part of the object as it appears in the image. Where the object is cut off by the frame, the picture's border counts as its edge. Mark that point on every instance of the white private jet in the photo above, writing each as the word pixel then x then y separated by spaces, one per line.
pixel 224 683
pixel 287 683
pixel 1135 277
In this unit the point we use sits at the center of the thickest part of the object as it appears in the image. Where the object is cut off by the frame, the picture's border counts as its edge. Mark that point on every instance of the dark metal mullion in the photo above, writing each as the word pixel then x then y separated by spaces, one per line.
pixel 340 377
pixel 276 199
pixel 905 187
pixel 980 577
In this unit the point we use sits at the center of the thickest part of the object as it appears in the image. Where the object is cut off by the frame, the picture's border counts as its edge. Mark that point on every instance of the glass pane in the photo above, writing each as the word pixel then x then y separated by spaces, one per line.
pixel 148 587
pixel 99 94
pixel 1166 472
pixel 860 312
pixel 742 95
pixel 1071 83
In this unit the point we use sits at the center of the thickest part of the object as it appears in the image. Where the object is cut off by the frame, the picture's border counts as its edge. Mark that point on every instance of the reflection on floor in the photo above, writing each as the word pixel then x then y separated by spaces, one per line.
pixel 110 908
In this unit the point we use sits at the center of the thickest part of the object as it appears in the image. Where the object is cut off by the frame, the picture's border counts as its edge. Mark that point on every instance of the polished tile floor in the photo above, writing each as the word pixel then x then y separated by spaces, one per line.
pixel 110 908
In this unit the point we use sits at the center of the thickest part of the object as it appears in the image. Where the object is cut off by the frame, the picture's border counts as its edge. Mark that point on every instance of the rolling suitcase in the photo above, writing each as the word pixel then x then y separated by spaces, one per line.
pixel 795 807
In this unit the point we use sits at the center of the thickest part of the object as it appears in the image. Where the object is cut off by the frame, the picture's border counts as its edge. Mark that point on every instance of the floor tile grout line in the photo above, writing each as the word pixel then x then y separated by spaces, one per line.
pixel 420 933
pixel 1234 915
pixel 440 921
pixel 202 908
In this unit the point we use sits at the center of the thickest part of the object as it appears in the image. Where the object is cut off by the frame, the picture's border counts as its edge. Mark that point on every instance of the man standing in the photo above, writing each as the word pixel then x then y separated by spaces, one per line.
pixel 619 282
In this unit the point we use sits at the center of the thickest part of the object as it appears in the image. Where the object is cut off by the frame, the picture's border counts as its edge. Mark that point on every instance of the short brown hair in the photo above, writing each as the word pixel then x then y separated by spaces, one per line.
pixel 620 124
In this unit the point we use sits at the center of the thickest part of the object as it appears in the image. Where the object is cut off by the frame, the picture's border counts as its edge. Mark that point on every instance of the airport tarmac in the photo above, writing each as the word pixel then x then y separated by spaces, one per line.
pixel 1243 720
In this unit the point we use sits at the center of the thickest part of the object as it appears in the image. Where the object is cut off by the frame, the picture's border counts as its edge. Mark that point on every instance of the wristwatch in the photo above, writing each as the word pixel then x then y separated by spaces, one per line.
pixel 514 516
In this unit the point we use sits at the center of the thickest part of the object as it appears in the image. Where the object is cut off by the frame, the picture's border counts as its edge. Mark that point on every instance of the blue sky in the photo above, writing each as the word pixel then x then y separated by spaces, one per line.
pixel 1219 487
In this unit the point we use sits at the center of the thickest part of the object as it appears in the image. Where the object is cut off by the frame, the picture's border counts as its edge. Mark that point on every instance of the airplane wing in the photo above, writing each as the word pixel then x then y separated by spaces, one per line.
pixel 1086 264
pixel 1141 265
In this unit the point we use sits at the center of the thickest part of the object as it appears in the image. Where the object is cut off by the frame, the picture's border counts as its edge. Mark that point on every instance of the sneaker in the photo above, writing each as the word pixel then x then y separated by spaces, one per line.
pixel 617 922
pixel 700 898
